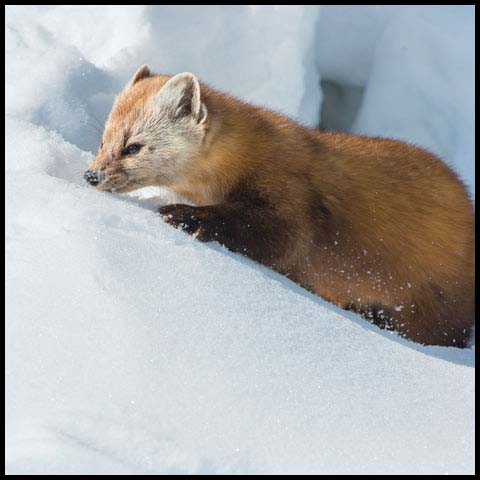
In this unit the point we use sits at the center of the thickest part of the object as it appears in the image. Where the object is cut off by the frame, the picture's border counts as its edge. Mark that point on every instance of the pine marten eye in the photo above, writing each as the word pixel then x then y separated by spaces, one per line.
pixel 131 149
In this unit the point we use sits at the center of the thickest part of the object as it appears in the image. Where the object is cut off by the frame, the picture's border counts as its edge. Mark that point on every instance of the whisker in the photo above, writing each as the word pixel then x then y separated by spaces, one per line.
pixel 94 127
pixel 98 121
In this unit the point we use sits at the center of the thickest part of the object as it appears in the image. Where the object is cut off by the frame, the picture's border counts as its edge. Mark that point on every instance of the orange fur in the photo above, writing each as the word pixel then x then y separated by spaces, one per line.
pixel 378 223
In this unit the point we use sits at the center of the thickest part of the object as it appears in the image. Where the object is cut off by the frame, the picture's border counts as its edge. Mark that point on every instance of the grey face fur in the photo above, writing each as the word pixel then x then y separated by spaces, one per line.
pixel 167 121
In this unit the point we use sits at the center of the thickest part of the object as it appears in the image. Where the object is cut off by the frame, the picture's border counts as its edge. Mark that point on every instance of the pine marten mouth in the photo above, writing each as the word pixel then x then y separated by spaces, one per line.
pixel 115 183
pixel 108 187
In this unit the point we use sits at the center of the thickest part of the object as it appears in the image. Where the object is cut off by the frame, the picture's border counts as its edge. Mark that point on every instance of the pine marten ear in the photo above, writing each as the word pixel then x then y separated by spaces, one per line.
pixel 141 73
pixel 180 97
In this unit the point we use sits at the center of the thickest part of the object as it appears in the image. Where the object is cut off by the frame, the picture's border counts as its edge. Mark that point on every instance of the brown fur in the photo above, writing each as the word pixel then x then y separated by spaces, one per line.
pixel 373 225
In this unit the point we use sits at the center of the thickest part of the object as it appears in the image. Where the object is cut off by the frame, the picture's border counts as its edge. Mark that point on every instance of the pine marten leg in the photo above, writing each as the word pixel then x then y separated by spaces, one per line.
pixel 422 320
pixel 253 230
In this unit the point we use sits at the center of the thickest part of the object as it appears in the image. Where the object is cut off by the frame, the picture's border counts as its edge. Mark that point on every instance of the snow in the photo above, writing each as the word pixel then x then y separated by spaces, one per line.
pixel 131 348
pixel 415 66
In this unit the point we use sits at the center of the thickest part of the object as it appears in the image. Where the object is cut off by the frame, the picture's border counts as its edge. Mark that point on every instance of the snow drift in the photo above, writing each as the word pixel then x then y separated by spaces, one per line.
pixel 134 349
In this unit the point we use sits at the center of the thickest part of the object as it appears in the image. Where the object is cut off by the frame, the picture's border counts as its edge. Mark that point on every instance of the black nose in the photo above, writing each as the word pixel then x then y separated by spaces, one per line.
pixel 91 177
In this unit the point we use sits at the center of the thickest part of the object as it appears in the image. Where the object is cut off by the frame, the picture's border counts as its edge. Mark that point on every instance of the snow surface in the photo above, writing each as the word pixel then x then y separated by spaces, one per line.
pixel 132 348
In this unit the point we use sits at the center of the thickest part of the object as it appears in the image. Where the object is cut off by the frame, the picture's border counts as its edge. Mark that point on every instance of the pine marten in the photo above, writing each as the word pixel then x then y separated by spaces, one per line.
pixel 372 225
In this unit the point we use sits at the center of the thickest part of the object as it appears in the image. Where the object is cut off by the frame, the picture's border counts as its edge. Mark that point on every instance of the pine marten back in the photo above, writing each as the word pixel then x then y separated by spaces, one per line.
pixel 373 225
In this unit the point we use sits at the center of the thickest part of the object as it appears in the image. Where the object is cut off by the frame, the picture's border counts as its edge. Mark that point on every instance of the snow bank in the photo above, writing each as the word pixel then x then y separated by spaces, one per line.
pixel 134 349
pixel 417 68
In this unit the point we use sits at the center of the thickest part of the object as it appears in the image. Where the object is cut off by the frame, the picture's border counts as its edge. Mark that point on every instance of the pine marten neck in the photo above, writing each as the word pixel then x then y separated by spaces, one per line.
pixel 239 141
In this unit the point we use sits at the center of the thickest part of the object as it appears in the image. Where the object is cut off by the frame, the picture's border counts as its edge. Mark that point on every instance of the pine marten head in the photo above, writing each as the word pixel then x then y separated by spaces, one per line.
pixel 156 127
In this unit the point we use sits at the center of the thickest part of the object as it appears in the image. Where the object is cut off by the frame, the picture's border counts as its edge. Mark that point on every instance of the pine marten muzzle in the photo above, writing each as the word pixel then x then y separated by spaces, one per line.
pixel 372 225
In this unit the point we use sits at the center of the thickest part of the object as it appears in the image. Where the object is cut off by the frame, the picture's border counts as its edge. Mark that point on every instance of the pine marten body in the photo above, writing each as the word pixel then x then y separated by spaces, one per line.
pixel 373 225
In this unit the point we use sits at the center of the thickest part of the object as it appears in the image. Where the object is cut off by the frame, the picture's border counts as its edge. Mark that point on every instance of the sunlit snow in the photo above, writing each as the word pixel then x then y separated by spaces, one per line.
pixel 131 348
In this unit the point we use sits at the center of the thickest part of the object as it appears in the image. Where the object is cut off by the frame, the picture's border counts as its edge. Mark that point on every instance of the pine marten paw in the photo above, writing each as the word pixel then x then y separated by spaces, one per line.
pixel 192 220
